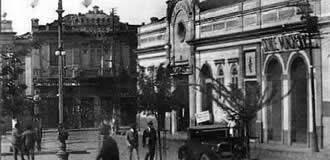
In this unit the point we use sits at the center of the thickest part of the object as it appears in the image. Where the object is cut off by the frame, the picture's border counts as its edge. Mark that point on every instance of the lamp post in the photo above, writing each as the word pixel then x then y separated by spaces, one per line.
pixel 62 133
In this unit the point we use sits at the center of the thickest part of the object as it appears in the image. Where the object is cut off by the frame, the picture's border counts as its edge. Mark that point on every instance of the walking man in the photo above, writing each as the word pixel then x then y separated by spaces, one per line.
pixel 104 131
pixel 109 150
pixel 149 140
pixel 38 131
pixel 16 141
pixel 29 139
pixel 132 141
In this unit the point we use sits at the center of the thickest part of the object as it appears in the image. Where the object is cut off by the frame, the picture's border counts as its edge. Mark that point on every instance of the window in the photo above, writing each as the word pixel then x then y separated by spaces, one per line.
pixel 206 88
pixel 53 59
pixel 220 80
pixel 234 76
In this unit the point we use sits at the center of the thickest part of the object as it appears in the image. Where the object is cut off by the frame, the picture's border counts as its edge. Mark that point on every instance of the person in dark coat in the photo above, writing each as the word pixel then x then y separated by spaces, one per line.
pixel 38 131
pixel 109 150
pixel 17 141
pixel 149 140
pixel 29 140
pixel 132 141
pixel 104 131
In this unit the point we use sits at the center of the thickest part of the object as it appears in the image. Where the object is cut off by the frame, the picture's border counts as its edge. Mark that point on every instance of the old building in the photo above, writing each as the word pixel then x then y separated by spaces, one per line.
pixel 248 43
pixel 99 69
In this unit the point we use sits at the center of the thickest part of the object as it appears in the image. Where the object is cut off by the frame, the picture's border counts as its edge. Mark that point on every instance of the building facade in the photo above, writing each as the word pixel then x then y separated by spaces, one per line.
pixel 248 43
pixel 99 69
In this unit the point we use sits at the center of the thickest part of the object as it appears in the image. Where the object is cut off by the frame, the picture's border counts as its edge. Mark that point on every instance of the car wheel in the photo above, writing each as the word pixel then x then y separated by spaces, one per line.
pixel 204 156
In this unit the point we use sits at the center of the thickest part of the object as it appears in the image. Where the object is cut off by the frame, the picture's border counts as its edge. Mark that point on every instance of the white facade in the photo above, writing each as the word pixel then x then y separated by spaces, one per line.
pixel 271 31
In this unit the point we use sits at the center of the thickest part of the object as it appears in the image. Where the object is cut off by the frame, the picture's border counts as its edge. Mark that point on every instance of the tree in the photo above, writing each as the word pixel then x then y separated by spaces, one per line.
pixel 239 105
pixel 14 100
pixel 155 96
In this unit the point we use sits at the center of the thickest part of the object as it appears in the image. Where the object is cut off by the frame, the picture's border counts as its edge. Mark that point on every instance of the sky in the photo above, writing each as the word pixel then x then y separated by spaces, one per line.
pixel 132 11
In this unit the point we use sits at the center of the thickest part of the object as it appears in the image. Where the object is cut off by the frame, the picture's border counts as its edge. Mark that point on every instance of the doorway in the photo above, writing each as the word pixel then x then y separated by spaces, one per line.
pixel 299 100
pixel 274 110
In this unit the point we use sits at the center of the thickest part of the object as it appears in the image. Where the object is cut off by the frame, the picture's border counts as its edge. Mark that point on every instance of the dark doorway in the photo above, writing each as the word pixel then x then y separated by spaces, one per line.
pixel 274 110
pixel 181 95
pixel 206 88
pixel 299 100
pixel 251 91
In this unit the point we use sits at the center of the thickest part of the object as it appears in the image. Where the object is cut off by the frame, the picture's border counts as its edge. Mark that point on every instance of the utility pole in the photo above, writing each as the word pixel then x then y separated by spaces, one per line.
pixel 0 24
pixel 114 63
pixel 1 104
pixel 310 27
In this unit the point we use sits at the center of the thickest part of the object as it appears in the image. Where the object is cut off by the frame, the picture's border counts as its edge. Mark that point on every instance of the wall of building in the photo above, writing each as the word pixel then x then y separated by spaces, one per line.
pixel 325 52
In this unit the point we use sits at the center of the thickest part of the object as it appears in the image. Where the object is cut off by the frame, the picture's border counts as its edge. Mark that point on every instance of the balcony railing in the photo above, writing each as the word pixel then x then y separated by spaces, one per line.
pixel 72 73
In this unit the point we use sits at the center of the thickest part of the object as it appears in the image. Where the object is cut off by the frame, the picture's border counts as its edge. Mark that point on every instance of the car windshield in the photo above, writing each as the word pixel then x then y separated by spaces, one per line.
pixel 209 135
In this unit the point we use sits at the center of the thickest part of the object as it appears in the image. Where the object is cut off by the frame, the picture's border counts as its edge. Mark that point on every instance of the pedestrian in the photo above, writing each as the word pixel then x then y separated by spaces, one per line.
pixel 232 125
pixel 16 141
pixel 38 131
pixel 149 141
pixel 28 142
pixel 113 126
pixel 132 141
pixel 109 150
pixel 104 131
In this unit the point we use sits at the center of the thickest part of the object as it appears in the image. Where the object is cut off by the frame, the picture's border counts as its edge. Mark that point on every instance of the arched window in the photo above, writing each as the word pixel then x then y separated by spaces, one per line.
pixel 234 76
pixel 206 88
pixel 220 79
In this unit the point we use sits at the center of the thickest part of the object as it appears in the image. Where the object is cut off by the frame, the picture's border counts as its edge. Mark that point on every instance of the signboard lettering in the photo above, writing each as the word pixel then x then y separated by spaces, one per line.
pixel 203 116
pixel 285 42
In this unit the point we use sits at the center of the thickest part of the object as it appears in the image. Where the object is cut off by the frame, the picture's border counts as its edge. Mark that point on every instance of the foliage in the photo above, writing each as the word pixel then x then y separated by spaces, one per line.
pixel 235 102
pixel 239 105
pixel 14 99
pixel 154 91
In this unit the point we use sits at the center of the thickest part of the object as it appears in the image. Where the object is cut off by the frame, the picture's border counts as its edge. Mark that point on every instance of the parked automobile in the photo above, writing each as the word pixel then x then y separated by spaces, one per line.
pixel 212 142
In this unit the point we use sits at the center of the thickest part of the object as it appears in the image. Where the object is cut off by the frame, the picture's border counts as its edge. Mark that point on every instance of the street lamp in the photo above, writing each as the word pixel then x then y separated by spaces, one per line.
pixel 62 133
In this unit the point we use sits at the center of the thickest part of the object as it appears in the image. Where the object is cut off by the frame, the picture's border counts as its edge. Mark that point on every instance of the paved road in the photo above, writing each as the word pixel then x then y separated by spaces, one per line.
pixel 87 140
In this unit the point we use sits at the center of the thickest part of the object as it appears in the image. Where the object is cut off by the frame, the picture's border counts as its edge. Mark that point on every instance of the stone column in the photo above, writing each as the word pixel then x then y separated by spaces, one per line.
pixel 174 122
pixel 192 100
pixel 264 112
pixel 97 110
pixel 286 111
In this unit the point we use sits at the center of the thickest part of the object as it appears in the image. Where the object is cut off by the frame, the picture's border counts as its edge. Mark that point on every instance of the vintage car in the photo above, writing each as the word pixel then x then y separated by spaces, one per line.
pixel 212 142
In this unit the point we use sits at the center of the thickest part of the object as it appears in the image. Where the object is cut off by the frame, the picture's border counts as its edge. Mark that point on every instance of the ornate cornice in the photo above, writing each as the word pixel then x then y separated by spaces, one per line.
pixel 258 33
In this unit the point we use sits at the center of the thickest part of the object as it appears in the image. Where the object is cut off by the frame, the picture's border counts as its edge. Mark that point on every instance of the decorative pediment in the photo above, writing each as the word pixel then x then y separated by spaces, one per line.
pixel 174 6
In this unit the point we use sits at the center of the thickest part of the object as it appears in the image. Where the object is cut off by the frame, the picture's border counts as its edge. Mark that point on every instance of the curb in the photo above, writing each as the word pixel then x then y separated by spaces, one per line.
pixel 49 152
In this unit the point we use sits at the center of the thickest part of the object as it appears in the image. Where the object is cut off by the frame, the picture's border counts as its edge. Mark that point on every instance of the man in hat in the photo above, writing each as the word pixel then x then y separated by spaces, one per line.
pixel 149 140
pixel 132 141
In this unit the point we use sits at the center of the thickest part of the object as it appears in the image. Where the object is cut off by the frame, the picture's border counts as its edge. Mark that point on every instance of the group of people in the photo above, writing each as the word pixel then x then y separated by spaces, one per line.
pixel 23 142
pixel 109 150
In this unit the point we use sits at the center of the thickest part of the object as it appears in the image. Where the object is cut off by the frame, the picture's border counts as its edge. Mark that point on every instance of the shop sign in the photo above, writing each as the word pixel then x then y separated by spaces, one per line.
pixel 285 42
pixel 53 83
pixel 203 116
pixel 181 70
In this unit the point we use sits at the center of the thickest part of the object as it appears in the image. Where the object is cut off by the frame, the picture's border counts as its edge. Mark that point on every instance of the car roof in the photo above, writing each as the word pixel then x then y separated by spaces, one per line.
pixel 208 127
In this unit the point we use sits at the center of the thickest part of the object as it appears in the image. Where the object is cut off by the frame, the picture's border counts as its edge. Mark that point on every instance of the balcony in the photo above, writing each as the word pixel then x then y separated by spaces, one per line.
pixel 72 73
